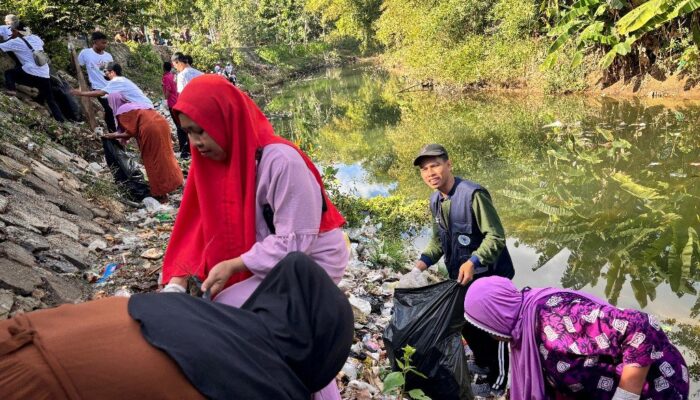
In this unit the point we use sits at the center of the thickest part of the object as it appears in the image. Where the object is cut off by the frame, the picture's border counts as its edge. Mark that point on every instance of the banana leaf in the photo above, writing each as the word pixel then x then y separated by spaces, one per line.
pixel 635 189
pixel 640 16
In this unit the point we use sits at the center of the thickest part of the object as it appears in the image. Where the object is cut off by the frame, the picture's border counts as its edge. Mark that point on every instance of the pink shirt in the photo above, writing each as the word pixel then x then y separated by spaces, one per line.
pixel 170 89
pixel 286 184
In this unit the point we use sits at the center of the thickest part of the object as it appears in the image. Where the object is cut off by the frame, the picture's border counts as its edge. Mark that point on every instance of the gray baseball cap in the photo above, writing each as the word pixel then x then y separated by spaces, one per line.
pixel 430 150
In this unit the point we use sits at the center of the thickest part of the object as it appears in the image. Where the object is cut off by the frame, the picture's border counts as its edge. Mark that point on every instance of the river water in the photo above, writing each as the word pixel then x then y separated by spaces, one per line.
pixel 595 193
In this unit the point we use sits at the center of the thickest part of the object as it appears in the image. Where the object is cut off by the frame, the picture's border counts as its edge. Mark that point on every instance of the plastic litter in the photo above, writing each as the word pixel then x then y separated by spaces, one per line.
pixel 413 279
pixel 109 270
pixel 164 217
pixel 97 244
pixel 123 292
pixel 152 205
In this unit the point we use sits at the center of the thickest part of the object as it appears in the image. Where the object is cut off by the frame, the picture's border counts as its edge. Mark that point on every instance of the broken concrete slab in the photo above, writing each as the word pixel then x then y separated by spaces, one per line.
pixel 72 206
pixel 18 277
pixel 46 174
pixel 11 169
pixel 7 300
pixel 17 253
pixel 29 240
pixel 26 304
pixel 73 251
pixel 64 290
pixel 85 225
pixel 55 262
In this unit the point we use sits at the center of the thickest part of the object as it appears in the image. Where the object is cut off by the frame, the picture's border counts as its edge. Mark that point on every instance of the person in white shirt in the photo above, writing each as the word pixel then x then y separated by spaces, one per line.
pixel 185 72
pixel 95 59
pixel 30 74
pixel 5 33
pixel 6 30
pixel 117 83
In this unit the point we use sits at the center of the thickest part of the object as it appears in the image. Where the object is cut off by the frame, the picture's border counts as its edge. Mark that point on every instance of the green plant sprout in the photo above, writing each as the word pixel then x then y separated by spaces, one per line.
pixel 395 382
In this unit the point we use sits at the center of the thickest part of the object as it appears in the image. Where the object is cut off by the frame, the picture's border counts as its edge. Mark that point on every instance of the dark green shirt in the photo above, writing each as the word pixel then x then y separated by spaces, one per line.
pixel 489 224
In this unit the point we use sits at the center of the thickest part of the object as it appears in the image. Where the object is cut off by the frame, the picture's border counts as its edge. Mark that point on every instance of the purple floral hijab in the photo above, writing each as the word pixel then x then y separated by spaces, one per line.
pixel 496 306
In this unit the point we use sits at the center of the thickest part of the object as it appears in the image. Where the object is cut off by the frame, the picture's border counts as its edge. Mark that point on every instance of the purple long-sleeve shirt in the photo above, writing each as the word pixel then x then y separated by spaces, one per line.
pixel 286 184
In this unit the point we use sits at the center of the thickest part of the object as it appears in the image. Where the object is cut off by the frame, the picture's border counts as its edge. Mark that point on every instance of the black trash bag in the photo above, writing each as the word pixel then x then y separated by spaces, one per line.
pixel 70 108
pixel 125 170
pixel 430 319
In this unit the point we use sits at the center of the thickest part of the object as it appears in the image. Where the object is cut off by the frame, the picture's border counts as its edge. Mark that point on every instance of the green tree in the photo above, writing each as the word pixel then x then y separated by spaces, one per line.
pixel 56 18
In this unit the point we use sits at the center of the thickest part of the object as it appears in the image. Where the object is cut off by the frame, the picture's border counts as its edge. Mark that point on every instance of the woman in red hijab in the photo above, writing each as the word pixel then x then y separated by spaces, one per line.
pixel 250 199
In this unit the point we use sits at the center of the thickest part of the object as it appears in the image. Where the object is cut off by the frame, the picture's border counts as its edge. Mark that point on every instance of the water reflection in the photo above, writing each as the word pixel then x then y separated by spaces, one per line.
pixel 355 180
pixel 606 198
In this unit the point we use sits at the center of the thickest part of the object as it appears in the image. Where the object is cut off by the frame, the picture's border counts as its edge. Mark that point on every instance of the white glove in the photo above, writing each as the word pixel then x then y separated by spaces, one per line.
pixel 173 288
pixel 622 394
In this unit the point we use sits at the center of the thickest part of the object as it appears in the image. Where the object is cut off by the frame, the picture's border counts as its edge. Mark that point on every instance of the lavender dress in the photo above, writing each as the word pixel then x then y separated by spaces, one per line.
pixel 584 346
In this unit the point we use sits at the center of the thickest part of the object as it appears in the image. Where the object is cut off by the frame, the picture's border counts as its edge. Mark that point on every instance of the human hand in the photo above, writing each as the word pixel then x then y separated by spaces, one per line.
pixel 421 266
pixel 177 284
pixel 76 92
pixel 219 275
pixel 466 273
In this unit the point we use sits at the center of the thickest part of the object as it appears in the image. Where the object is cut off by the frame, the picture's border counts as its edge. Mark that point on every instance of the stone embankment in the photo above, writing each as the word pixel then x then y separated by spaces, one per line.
pixel 47 220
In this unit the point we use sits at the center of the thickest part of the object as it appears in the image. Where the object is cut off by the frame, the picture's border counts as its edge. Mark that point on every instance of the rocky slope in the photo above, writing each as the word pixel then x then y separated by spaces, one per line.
pixel 47 216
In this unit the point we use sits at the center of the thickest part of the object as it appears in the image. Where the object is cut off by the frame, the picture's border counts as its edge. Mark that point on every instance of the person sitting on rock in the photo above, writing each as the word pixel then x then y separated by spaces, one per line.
pixel 251 198
pixel 117 83
pixel 24 44
pixel 152 133
pixel 566 344
pixel 289 339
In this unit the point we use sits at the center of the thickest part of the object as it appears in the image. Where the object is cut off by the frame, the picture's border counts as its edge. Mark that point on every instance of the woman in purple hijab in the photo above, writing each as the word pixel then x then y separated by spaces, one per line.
pixel 567 344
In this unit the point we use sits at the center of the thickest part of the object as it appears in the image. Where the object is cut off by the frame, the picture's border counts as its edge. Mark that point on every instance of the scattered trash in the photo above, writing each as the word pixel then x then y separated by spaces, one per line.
pixel 95 167
pixel 152 254
pixel 152 205
pixel 109 270
pixel 97 244
pixel 360 308
pixel 555 124
pixel 164 217
pixel 123 292
pixel 413 279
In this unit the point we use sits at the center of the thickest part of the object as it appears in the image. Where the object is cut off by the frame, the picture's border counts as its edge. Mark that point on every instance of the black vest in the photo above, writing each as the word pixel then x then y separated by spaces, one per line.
pixel 462 235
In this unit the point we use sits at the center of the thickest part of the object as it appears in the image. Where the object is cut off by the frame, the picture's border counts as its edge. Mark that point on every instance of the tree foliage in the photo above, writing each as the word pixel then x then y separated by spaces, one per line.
pixel 57 18
pixel 616 26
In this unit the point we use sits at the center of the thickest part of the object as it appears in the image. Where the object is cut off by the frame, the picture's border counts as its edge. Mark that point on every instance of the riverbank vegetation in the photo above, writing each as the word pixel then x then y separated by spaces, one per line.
pixel 540 45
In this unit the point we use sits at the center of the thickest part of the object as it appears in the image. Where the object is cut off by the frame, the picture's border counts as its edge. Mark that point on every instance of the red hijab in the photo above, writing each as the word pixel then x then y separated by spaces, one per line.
pixel 216 220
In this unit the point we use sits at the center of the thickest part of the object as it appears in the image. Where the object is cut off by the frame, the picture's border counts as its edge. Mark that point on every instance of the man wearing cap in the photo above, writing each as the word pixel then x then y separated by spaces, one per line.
pixel 468 232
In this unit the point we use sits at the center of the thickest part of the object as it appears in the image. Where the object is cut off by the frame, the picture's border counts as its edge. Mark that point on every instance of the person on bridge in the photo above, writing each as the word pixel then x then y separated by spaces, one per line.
pixel 251 198
pixel 468 232
pixel 566 344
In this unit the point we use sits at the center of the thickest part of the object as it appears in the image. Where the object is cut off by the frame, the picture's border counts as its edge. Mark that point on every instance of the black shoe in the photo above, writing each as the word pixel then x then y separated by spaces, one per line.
pixel 481 388
pixel 476 370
